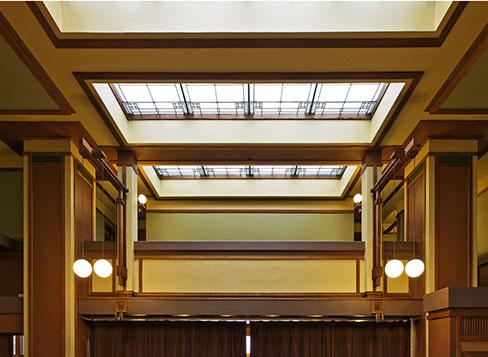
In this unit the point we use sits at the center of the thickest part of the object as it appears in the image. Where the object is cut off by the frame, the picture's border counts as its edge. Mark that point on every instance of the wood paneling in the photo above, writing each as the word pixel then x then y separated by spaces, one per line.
pixel 46 257
pixel 453 221
pixel 441 343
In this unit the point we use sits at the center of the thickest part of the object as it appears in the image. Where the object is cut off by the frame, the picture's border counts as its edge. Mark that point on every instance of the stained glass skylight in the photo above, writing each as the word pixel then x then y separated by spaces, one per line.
pixel 249 171
pixel 249 100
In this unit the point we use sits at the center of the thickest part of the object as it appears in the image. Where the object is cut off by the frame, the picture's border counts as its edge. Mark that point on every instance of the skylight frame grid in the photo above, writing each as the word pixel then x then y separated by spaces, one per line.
pixel 250 105
pixel 178 172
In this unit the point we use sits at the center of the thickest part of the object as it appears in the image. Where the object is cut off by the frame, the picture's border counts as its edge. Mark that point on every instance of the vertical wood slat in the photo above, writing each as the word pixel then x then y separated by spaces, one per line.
pixel 474 326
pixel 46 296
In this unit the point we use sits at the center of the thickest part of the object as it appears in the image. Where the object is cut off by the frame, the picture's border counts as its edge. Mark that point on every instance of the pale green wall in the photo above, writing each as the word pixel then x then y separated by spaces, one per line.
pixel 250 226
pixel 11 203
pixel 482 223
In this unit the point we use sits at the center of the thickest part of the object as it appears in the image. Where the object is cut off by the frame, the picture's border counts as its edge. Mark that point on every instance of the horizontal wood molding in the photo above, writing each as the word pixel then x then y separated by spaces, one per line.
pixel 459 298
pixel 264 305
pixel 434 39
pixel 20 48
pixel 99 249
pixel 478 47
pixel 248 250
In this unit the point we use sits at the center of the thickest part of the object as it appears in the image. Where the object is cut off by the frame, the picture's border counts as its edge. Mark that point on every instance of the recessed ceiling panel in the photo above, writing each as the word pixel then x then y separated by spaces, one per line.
pixel 472 91
pixel 19 88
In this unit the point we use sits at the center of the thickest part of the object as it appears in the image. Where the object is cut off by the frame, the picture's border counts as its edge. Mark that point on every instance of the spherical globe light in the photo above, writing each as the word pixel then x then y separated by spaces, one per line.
pixel 394 268
pixel 103 268
pixel 82 268
pixel 142 199
pixel 414 268
pixel 358 198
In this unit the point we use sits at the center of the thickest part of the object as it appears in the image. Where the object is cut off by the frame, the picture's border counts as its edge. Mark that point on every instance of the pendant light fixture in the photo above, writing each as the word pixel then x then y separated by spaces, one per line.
pixel 102 267
pixel 394 267
pixel 82 267
pixel 414 267
pixel 142 199
pixel 358 198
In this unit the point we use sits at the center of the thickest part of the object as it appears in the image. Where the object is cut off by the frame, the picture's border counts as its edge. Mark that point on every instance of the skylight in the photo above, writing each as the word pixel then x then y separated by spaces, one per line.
pixel 249 171
pixel 249 100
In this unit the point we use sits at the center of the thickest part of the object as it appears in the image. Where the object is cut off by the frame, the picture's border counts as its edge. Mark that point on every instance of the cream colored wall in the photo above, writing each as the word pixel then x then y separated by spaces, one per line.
pixel 11 207
pixel 259 276
pixel 398 285
pixel 250 226
pixel 482 208
pixel 246 16
pixel 482 223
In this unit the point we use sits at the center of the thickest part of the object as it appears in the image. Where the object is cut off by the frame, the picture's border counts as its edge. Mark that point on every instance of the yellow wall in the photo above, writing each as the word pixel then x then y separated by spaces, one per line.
pixel 11 204
pixel 398 285
pixel 482 223
pixel 250 226
pixel 233 276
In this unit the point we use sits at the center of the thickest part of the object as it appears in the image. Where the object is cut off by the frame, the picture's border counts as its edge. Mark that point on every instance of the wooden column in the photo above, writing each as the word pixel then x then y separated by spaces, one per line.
pixel 439 201
pixel 51 222
pixel 371 226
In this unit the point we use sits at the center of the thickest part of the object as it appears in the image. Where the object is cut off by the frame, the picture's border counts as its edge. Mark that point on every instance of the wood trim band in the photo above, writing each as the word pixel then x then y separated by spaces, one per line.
pixel 20 48
pixel 245 305
pixel 478 47
pixel 248 250
pixel 435 39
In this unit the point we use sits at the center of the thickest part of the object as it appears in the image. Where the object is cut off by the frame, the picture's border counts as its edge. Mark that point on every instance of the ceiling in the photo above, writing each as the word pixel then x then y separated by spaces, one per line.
pixel 19 88
pixel 437 62
pixel 472 91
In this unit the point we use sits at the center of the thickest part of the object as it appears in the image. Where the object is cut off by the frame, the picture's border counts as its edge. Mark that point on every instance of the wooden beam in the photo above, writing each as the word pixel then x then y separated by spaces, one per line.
pixel 248 306
pixel 248 250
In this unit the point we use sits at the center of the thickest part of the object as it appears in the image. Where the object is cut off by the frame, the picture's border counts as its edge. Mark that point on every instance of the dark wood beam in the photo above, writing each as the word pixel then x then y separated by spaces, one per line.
pixel 249 249
pixel 261 305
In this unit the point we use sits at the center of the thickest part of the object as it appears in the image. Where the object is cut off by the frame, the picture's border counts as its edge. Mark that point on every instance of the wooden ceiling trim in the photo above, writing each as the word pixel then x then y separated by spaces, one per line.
pixel 433 39
pixel 20 48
